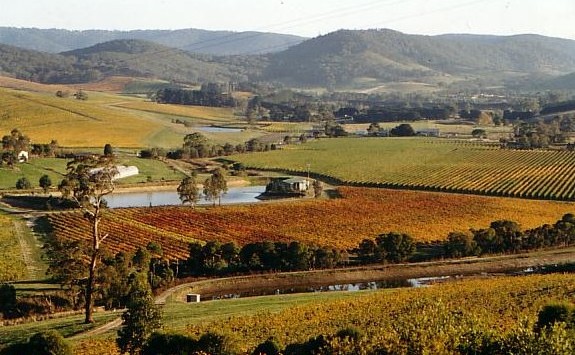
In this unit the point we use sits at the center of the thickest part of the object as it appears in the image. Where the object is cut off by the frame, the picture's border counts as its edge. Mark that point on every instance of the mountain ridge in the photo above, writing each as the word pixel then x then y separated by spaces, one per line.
pixel 190 39
pixel 356 59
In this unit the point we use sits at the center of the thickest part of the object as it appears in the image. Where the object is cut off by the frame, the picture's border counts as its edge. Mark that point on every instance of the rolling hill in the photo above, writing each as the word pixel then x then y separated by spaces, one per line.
pixel 192 40
pixel 342 59
pixel 383 55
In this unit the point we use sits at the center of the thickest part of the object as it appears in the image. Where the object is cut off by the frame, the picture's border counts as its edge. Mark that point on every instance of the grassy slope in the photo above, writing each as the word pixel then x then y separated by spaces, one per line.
pixel 122 121
pixel 56 168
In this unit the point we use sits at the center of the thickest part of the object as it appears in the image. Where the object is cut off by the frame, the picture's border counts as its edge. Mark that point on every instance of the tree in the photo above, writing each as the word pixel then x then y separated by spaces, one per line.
pixel 268 347
pixel 88 181
pixel 460 244
pixel 81 95
pixel 141 318
pixel 215 186
pixel 45 183
pixel 49 342
pixel 373 129
pixel 23 184
pixel 398 247
pixel 479 133
pixel 108 150
pixel 188 190
pixel 403 130
pixel 7 299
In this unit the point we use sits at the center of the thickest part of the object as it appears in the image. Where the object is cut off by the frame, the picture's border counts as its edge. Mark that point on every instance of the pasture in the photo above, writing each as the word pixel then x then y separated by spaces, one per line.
pixel 428 164
pixel 123 121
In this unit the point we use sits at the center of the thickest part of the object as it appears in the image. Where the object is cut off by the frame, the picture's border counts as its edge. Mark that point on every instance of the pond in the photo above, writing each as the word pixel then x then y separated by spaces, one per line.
pixel 358 286
pixel 215 129
pixel 244 194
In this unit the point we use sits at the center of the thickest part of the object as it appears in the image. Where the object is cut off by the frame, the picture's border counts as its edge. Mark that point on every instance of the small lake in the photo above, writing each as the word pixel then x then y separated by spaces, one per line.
pixel 358 286
pixel 244 194
pixel 215 129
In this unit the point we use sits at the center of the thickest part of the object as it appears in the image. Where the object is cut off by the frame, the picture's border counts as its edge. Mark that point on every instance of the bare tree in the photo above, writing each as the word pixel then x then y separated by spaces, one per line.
pixel 88 180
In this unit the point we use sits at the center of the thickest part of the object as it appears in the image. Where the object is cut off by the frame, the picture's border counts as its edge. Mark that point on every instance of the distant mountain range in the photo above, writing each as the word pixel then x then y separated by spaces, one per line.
pixel 344 59
pixel 192 40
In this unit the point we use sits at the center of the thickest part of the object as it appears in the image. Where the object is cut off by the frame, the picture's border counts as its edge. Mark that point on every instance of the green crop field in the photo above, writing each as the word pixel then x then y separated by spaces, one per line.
pixel 428 164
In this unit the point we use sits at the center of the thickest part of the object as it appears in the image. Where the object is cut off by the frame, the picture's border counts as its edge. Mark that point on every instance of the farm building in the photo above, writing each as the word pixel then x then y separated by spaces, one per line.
pixel 123 171
pixel 428 132
pixel 23 156
pixel 288 186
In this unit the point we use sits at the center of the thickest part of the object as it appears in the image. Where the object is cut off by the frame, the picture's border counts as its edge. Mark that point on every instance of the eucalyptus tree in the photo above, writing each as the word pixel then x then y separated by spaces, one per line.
pixel 89 179
pixel 215 186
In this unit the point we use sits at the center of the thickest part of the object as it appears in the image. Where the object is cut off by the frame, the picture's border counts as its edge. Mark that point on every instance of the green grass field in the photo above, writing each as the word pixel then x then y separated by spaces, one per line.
pixel 55 168
pixel 428 164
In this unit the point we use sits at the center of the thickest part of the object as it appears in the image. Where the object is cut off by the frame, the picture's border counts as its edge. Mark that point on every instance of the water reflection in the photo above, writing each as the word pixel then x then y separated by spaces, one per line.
pixel 244 194
pixel 214 129
pixel 358 286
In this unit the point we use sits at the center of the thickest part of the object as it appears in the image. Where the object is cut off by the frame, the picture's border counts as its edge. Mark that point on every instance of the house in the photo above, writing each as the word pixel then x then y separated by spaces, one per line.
pixel 288 186
pixel 22 156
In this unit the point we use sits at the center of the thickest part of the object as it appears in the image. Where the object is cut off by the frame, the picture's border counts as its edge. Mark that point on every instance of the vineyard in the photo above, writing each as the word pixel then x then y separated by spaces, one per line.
pixel 437 318
pixel 424 164
pixel 12 265
pixel 341 223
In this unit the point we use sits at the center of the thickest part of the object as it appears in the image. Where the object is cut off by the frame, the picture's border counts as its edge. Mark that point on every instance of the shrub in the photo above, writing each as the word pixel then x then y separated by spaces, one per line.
pixel 23 184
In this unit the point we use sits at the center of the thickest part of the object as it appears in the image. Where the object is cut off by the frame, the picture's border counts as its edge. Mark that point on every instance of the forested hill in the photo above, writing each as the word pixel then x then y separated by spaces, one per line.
pixel 193 40
pixel 121 57
pixel 343 59
pixel 385 55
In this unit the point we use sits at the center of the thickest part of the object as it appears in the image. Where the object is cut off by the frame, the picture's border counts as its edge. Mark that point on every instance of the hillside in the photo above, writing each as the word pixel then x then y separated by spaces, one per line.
pixel 193 40
pixel 133 58
pixel 342 57
pixel 563 82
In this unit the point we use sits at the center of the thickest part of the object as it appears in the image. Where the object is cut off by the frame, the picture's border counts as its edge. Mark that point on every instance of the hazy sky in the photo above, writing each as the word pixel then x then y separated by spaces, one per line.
pixel 301 17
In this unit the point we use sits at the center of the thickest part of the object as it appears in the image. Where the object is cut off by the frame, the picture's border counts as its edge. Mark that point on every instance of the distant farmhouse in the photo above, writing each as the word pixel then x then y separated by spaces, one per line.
pixel 284 186
pixel 23 156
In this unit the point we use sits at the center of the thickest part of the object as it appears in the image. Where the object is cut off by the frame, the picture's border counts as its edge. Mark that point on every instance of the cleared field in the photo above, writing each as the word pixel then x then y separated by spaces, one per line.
pixel 340 223
pixel 200 115
pixel 428 164
pixel 73 123
pixel 108 118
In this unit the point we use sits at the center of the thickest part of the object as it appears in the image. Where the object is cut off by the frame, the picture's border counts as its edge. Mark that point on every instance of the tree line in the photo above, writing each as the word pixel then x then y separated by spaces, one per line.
pixel 506 236
pixel 210 94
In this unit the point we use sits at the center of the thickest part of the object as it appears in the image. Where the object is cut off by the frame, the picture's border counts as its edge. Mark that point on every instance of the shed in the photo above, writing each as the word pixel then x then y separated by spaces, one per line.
pixel 193 297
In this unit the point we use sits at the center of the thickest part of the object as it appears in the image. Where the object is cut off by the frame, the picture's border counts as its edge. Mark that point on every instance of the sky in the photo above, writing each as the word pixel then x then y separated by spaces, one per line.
pixel 308 18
